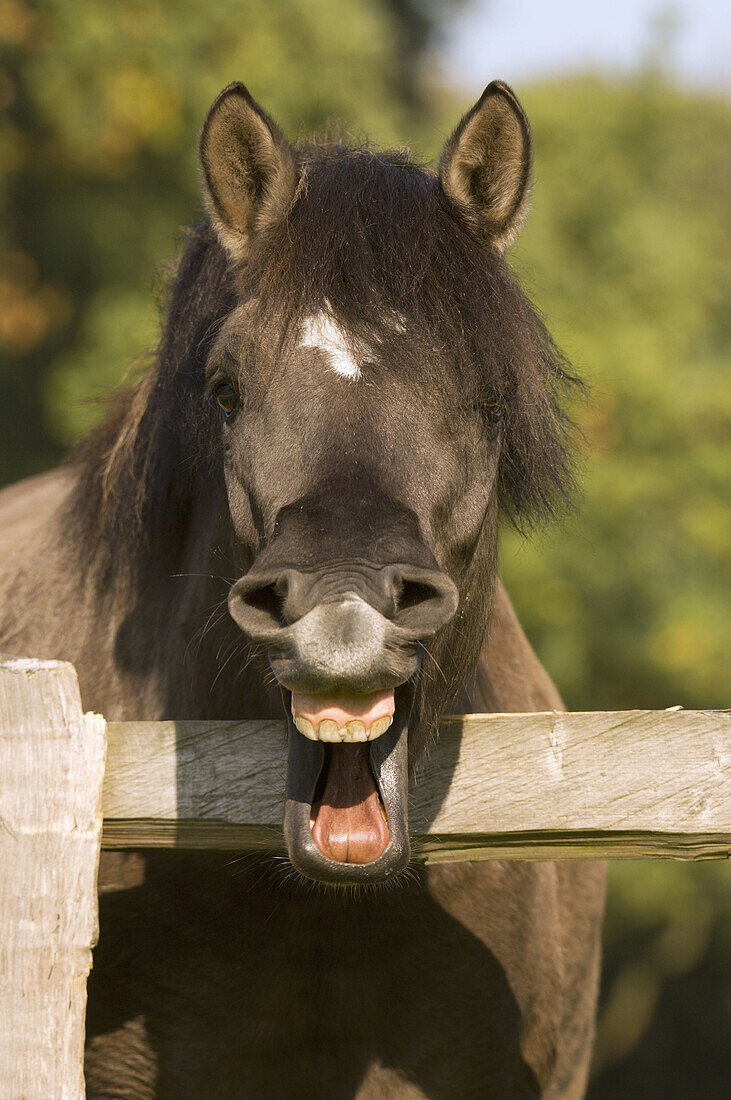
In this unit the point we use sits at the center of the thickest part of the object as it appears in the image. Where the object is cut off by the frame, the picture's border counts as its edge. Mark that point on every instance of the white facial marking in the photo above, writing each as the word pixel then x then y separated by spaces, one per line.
pixel 321 331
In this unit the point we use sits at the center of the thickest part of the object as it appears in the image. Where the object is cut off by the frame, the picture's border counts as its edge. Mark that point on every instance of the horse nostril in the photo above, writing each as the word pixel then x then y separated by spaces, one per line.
pixel 268 601
pixel 413 593
pixel 424 601
pixel 258 606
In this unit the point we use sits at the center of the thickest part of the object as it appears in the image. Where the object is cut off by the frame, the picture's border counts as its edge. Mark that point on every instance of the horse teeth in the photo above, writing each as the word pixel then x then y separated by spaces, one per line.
pixel 304 725
pixel 380 726
pixel 329 730
pixel 351 732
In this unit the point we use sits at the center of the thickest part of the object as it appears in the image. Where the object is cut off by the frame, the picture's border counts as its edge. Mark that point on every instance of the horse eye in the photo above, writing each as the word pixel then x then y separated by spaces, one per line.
pixel 226 396
pixel 495 413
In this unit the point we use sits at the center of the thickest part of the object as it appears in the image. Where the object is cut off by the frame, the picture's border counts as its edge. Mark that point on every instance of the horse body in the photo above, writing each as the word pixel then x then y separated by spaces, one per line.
pixel 220 977
pixel 235 977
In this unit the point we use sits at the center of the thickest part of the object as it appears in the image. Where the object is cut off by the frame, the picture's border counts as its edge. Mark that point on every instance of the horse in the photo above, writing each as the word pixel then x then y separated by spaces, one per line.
pixel 295 514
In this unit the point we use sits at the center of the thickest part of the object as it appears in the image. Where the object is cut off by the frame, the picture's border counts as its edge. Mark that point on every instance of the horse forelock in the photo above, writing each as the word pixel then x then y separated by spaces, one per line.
pixel 371 245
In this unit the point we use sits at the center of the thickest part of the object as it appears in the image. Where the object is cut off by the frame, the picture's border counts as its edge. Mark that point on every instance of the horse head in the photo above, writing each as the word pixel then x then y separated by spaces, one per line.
pixel 382 386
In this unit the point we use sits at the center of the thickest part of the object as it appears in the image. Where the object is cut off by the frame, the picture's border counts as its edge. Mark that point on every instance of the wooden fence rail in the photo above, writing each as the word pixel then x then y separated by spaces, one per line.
pixel 519 786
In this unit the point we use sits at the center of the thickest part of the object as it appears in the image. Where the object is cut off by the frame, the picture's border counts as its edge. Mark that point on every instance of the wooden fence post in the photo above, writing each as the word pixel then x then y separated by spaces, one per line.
pixel 51 772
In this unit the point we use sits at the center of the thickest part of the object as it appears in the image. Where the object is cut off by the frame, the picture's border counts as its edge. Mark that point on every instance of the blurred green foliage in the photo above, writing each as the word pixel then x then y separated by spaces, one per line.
pixel 624 252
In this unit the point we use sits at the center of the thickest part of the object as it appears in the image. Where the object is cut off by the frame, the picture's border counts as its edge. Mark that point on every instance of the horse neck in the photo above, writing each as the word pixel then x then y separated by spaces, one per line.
pixel 154 630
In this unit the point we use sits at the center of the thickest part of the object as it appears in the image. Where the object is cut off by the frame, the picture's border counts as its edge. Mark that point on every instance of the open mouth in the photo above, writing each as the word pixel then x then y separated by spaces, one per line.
pixel 346 809
pixel 348 820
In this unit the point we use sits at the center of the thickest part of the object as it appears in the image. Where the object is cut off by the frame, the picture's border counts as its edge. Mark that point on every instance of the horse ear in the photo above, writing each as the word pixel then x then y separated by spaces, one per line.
pixel 486 165
pixel 249 171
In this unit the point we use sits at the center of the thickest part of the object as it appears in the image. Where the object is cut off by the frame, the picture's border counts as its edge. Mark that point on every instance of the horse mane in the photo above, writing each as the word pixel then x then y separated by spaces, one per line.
pixel 141 471
pixel 368 235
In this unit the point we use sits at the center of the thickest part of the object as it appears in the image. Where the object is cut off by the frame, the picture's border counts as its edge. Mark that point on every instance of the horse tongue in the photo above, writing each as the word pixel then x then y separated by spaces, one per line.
pixel 349 826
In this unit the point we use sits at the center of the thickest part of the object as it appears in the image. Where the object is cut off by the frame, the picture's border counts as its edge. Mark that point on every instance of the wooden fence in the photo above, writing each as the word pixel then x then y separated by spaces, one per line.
pixel 525 786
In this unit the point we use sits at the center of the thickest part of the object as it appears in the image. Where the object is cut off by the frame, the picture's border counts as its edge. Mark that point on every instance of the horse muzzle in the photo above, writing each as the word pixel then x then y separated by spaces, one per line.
pixel 347 672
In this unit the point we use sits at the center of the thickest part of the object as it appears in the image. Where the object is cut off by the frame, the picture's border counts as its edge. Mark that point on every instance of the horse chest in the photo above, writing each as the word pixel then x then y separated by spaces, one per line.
pixel 288 992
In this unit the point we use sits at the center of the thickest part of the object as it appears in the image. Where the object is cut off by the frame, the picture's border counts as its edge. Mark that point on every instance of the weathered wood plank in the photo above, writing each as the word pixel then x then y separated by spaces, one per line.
pixel 536 786
pixel 51 772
